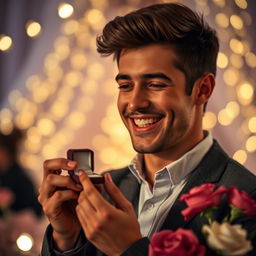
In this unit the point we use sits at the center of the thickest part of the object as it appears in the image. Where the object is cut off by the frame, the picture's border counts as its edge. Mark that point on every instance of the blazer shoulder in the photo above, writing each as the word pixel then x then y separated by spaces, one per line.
pixel 237 175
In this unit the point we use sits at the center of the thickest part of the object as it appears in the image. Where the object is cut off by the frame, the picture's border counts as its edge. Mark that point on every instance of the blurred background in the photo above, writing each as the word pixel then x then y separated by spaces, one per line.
pixel 61 94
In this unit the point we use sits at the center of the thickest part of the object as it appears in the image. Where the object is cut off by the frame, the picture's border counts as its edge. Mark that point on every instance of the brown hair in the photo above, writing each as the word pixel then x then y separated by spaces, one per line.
pixel 195 43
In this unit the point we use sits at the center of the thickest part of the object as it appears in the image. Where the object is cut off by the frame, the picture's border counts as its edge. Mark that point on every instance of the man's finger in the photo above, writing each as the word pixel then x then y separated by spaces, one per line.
pixel 116 195
pixel 92 193
pixel 53 165
pixel 57 199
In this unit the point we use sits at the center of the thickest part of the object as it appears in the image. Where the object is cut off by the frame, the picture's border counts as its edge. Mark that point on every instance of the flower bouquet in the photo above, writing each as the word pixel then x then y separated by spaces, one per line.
pixel 221 238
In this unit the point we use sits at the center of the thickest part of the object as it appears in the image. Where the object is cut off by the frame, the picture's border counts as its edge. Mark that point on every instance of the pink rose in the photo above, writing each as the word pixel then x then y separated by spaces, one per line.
pixel 175 243
pixel 200 198
pixel 242 200
pixel 6 197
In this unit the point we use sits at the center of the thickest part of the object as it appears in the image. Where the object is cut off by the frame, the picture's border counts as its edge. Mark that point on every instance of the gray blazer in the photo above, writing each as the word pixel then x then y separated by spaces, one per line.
pixel 216 167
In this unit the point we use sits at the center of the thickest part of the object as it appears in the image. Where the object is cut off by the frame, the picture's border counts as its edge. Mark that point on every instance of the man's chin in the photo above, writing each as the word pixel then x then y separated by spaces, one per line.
pixel 145 149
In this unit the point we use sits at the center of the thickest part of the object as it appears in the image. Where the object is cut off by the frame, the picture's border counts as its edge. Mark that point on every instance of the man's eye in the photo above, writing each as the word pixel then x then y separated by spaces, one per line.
pixel 124 86
pixel 158 85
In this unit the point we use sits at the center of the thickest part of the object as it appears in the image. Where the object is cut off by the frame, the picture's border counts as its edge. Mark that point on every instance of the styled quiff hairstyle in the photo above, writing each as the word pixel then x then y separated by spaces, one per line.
pixel 195 44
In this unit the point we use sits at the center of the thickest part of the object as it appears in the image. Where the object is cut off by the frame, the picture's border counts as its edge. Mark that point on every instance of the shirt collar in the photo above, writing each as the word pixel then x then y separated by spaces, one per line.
pixel 180 168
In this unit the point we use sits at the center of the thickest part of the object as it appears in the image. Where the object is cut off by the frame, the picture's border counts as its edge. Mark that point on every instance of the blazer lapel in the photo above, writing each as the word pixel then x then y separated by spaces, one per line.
pixel 128 185
pixel 209 170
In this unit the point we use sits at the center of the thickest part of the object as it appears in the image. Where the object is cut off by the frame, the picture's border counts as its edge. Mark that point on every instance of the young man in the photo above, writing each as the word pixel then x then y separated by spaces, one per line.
pixel 166 56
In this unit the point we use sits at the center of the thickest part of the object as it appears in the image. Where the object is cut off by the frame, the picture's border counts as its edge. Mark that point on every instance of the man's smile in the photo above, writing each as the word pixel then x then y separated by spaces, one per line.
pixel 145 123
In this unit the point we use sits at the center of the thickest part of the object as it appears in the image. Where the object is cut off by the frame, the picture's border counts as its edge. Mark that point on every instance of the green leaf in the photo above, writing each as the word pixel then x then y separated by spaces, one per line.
pixel 235 213
pixel 208 214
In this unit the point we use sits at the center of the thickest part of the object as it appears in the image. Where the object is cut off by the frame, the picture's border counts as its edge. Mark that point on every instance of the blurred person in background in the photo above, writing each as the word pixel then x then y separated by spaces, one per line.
pixel 16 186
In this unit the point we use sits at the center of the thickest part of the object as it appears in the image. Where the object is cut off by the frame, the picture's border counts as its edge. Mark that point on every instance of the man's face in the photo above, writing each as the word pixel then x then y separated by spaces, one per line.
pixel 152 101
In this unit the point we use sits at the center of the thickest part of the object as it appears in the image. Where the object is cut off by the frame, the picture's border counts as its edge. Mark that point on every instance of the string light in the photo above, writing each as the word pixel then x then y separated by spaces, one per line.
pixel 33 28
pixel 241 3
pixel 222 60
pixel 65 10
pixel 25 242
pixel 5 42
pixel 240 156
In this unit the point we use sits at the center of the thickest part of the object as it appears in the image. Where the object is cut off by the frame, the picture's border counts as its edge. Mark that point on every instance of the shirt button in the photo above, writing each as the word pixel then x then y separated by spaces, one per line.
pixel 150 206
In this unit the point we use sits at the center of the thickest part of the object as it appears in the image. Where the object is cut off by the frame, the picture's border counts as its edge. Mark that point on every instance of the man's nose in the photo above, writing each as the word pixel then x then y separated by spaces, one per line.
pixel 139 99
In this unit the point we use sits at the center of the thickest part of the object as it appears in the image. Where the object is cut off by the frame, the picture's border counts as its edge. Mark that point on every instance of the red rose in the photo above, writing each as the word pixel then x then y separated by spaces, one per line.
pixel 200 198
pixel 242 200
pixel 6 197
pixel 175 243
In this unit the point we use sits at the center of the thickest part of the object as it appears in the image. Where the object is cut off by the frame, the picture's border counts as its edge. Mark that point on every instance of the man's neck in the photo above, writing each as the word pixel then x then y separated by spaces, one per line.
pixel 157 161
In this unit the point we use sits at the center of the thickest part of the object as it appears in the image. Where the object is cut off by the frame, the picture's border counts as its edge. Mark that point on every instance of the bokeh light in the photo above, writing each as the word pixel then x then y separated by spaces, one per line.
pixel 5 42
pixel 65 10
pixel 25 242
pixel 33 28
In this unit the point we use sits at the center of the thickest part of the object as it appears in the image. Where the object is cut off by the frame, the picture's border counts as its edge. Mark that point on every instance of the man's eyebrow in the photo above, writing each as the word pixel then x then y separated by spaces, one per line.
pixel 144 76
pixel 123 77
pixel 156 75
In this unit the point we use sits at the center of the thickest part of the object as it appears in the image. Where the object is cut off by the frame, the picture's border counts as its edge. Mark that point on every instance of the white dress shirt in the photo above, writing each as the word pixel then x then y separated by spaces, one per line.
pixel 155 204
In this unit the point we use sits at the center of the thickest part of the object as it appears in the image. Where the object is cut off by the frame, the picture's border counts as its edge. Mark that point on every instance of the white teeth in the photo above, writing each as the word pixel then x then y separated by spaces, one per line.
pixel 145 122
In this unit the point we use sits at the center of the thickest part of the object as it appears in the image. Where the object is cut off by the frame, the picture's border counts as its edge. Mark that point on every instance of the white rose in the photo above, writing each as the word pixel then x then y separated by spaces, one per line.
pixel 228 239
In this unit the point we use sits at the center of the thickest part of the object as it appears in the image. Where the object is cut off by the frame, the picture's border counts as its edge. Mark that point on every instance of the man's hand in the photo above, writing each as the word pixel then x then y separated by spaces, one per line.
pixel 110 228
pixel 58 196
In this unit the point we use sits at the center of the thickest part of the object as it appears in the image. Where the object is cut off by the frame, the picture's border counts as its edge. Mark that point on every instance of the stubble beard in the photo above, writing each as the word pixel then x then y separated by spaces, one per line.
pixel 167 139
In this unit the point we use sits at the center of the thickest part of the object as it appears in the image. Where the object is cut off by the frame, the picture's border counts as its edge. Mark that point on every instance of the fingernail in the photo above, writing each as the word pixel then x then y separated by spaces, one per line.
pixel 109 178
pixel 71 164
pixel 79 186
pixel 80 173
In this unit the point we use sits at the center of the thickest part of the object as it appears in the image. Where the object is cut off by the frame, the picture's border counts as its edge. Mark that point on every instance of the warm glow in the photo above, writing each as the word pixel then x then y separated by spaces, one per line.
pixel 222 60
pixel 6 126
pixel 65 10
pixel 209 120
pixel 252 124
pixel 251 59
pixel 236 22
pixel 25 242
pixel 5 42
pixel 241 3
pixel 24 120
pixel 236 60
pixel 240 156
pixel 230 76
pixel 95 18
pixel 220 3
pixel 73 78
pixel 78 60
pixel 96 71
pixel 251 144
pixel 49 151
pixel 33 28
pixel 59 109
pixel 236 46
pixel 245 91
pixel 70 27
pixel 108 155
pixel 46 126
pixel 223 118
pixel 76 119
pixel 233 109
pixel 222 20
pixel 62 48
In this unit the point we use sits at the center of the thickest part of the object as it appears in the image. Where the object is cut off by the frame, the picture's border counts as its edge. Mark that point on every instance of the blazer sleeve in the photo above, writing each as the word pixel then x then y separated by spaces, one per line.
pixel 81 248
pixel 85 248
pixel 139 248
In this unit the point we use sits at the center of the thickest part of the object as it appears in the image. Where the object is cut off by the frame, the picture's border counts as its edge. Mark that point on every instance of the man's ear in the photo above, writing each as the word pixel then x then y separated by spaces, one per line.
pixel 203 88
